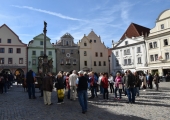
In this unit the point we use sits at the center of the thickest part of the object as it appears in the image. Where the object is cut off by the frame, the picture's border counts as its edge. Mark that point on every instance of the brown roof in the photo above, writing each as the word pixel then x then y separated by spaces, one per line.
pixel 135 30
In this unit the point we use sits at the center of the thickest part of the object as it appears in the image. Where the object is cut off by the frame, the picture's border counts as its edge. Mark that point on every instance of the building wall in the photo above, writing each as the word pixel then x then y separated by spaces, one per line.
pixel 36 46
pixel 65 60
pixel 5 34
pixel 133 44
pixel 158 35
pixel 91 49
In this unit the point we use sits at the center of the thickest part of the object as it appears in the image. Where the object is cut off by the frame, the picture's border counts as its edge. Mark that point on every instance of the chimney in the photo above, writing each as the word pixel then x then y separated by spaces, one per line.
pixel 112 43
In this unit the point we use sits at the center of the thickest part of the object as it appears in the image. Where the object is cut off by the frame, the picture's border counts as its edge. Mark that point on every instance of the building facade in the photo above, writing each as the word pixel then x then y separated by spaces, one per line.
pixel 94 55
pixel 158 45
pixel 13 53
pixel 36 49
pixel 67 53
pixel 129 53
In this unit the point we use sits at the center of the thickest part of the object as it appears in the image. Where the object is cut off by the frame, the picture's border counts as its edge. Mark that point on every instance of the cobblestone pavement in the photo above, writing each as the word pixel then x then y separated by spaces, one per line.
pixel 152 105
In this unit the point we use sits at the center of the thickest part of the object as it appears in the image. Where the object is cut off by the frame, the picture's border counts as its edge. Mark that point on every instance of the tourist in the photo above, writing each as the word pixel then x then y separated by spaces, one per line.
pixel 72 82
pixel 93 85
pixel 67 85
pixel 47 86
pixel 99 83
pixel 40 80
pixel 82 85
pixel 156 81
pixel 111 83
pixel 129 85
pixel 60 88
pixel 137 84
pixel 30 80
pixel 105 85
pixel 118 86
pixel 150 81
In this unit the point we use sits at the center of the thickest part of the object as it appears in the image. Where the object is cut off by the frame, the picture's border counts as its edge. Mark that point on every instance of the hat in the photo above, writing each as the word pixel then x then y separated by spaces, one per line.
pixel 80 72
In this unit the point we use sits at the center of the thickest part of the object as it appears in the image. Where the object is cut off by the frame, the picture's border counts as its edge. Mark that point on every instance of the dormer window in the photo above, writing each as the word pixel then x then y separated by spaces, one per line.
pixel 155 44
pixel 66 42
pixel 126 42
pixel 162 26
pixel 85 44
pixel 9 40
pixel 150 45
pixel 41 42
pixel 94 41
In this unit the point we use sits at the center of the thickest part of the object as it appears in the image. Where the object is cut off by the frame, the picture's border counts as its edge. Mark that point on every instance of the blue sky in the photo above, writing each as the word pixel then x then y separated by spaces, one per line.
pixel 107 18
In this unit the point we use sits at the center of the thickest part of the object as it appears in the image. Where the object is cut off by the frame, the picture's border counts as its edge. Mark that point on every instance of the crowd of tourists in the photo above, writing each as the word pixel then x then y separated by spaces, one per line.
pixel 77 84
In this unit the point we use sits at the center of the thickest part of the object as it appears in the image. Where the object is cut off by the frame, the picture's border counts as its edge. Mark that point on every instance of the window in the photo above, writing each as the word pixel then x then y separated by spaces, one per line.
pixel 139 60
pixel 9 60
pixel 117 53
pixel 162 26
pixel 96 54
pixel 66 42
pixel 0 40
pixel 138 50
pixel 85 63
pixel 20 60
pixel 104 63
pixel 71 51
pixel 2 50
pixel 167 56
pixel 152 58
pixel 9 41
pixel 129 61
pixel 156 57
pixel 94 63
pixel 74 62
pixel 49 52
pixel 128 52
pixel 155 44
pixel 33 52
pixel 117 62
pixel 125 61
pixel 101 54
pixel 85 44
pixel 165 42
pixel 63 51
pixel 126 42
pixel 41 42
pixel 150 45
pixel 85 53
pixel 33 61
pixel 94 41
pixel 41 53
pixel 18 50
pixel 10 50
pixel 99 63
pixel 1 60
pixel 67 61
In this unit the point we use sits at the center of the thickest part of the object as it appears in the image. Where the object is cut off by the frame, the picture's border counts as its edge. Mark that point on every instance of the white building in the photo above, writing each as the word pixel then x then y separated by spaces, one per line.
pixel 130 52
pixel 158 45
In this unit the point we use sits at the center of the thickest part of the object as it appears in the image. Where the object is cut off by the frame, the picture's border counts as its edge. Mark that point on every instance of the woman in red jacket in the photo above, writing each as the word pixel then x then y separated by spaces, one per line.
pixel 105 85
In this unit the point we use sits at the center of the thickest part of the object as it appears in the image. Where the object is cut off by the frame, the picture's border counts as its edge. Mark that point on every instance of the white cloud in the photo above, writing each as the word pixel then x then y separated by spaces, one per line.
pixel 48 12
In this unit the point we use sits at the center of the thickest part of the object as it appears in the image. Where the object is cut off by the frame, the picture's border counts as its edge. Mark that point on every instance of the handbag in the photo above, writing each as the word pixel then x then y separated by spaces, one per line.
pixel 60 93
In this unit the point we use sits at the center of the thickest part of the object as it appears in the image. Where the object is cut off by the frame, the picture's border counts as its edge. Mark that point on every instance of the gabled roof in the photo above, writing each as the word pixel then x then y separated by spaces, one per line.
pixel 92 33
pixel 135 30
pixel 67 35
pixel 14 34
pixel 42 34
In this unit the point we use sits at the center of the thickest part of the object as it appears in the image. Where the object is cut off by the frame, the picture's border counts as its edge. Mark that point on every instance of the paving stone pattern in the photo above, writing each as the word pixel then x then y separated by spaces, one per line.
pixel 151 105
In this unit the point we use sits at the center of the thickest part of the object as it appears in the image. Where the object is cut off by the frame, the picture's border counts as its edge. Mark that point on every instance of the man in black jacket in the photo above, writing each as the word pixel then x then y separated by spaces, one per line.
pixel 82 85
pixel 130 87
pixel 30 80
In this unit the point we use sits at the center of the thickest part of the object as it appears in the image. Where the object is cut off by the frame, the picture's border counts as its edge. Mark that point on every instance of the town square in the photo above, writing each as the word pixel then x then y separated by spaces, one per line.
pixel 85 60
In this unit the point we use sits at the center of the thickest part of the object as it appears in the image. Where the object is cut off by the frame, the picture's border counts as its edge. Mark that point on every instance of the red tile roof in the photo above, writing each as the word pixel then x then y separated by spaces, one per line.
pixel 135 30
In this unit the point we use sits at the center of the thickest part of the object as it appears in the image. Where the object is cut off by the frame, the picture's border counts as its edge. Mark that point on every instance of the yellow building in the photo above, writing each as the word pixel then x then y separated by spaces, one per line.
pixel 93 54
pixel 158 45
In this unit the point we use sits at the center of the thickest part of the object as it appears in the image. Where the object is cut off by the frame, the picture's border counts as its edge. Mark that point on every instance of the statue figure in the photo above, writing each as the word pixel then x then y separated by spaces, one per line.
pixel 50 63
pixel 40 63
